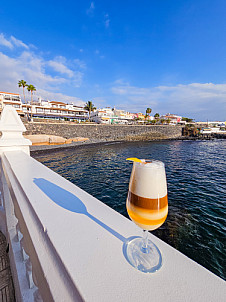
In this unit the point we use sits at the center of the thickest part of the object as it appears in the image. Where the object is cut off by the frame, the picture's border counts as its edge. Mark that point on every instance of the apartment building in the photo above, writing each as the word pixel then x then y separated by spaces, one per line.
pixel 43 108
pixel 108 115
pixel 58 110
pixel 173 118
pixel 11 99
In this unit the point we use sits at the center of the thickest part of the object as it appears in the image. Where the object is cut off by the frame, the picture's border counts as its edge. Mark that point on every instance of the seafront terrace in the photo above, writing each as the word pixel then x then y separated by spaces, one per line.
pixel 65 245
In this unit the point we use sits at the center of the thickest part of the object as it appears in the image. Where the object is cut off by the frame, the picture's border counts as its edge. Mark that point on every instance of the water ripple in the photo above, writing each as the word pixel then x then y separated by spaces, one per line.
pixel 196 186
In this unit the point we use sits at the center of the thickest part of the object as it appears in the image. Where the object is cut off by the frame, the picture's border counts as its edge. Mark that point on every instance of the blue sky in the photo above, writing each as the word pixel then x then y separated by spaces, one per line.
pixel 167 55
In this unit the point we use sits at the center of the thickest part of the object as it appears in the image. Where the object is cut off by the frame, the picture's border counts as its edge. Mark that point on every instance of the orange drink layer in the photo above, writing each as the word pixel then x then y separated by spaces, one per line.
pixel 147 202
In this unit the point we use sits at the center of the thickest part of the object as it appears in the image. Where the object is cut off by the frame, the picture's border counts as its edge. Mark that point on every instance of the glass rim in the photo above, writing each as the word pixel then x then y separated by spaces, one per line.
pixel 150 163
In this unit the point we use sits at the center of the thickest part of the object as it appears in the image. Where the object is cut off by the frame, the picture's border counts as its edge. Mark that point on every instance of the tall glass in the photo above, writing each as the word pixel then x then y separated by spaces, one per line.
pixel 147 206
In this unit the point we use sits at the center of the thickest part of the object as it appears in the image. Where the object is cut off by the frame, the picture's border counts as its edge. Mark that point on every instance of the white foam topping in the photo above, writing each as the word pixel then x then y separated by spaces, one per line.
pixel 148 179
pixel 152 163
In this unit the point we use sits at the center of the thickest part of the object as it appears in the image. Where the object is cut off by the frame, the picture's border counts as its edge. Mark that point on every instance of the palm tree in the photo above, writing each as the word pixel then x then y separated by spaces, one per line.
pixel 156 115
pixel 89 107
pixel 31 88
pixel 148 111
pixel 23 84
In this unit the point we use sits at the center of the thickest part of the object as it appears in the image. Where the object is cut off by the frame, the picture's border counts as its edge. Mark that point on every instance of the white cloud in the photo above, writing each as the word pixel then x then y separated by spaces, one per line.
pixel 18 43
pixel 27 67
pixel 91 9
pixel 57 96
pixel 61 68
pixel 197 100
pixel 97 52
pixel 106 20
pixel 33 68
pixel 59 64
pixel 12 42
pixel 80 64
pixel 100 102
pixel 5 42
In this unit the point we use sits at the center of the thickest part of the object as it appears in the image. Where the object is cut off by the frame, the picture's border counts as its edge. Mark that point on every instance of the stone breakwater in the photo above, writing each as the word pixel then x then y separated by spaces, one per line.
pixel 106 132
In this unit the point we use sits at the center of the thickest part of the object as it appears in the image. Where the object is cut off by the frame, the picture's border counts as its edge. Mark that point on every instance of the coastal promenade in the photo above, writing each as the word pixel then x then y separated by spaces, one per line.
pixel 66 245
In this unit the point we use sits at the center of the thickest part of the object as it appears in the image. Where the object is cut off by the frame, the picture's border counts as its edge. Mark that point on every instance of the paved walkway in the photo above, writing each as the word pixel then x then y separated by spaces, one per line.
pixel 6 281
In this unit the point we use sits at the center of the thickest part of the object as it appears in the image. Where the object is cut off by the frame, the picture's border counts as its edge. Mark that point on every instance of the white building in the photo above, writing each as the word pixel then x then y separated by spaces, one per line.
pixel 102 116
pixel 173 118
pixel 217 124
pixel 11 99
pixel 122 116
pixel 111 116
pixel 43 108
pixel 58 110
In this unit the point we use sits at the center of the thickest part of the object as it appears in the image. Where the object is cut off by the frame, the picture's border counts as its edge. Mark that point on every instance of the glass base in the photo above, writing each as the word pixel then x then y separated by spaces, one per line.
pixel 147 260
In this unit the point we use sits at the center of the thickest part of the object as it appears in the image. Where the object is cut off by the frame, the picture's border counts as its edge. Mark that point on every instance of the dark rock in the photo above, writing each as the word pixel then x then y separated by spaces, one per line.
pixel 106 132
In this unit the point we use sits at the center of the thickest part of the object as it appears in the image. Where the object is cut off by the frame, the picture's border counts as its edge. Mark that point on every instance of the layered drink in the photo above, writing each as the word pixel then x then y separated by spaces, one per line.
pixel 147 202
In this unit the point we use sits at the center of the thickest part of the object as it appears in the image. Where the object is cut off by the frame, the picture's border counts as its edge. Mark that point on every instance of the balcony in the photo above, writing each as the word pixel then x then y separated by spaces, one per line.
pixel 65 245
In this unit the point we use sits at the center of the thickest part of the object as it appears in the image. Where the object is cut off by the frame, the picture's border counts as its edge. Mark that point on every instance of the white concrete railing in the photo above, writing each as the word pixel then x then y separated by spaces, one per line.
pixel 66 245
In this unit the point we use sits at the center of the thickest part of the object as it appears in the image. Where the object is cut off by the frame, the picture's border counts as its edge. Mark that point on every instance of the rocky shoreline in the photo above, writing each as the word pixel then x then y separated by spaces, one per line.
pixel 202 137
pixel 95 142
pixel 53 148
pixel 90 143
pixel 194 138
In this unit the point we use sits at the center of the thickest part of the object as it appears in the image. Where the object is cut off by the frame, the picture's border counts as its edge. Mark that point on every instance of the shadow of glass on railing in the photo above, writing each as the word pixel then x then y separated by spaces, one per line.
pixel 71 202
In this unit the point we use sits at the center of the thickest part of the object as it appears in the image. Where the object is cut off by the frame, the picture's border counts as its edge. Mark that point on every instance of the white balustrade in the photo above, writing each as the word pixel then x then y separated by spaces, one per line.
pixel 74 245
pixel 12 129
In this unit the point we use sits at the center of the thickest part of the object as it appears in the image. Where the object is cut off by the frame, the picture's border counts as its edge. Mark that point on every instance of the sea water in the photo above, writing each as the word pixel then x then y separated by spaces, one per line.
pixel 196 179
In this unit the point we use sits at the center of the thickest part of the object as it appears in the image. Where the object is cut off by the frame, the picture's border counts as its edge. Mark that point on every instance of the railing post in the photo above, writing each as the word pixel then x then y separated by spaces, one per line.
pixel 12 130
pixel 12 139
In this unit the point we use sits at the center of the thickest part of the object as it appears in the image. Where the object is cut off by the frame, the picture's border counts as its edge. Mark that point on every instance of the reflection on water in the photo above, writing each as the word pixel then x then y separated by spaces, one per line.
pixel 196 188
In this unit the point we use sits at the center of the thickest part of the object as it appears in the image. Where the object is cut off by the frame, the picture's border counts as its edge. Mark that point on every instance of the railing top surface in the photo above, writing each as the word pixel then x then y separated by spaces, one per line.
pixel 88 236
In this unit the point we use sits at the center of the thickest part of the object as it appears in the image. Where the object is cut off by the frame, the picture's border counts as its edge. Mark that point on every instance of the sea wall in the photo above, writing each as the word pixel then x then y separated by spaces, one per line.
pixel 106 132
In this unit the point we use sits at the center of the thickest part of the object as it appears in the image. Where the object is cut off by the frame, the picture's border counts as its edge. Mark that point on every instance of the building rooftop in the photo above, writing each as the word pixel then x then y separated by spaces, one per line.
pixel 55 102
pixel 9 93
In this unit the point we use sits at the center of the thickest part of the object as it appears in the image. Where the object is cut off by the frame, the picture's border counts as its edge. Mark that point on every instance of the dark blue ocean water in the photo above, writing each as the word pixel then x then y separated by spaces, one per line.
pixel 196 176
